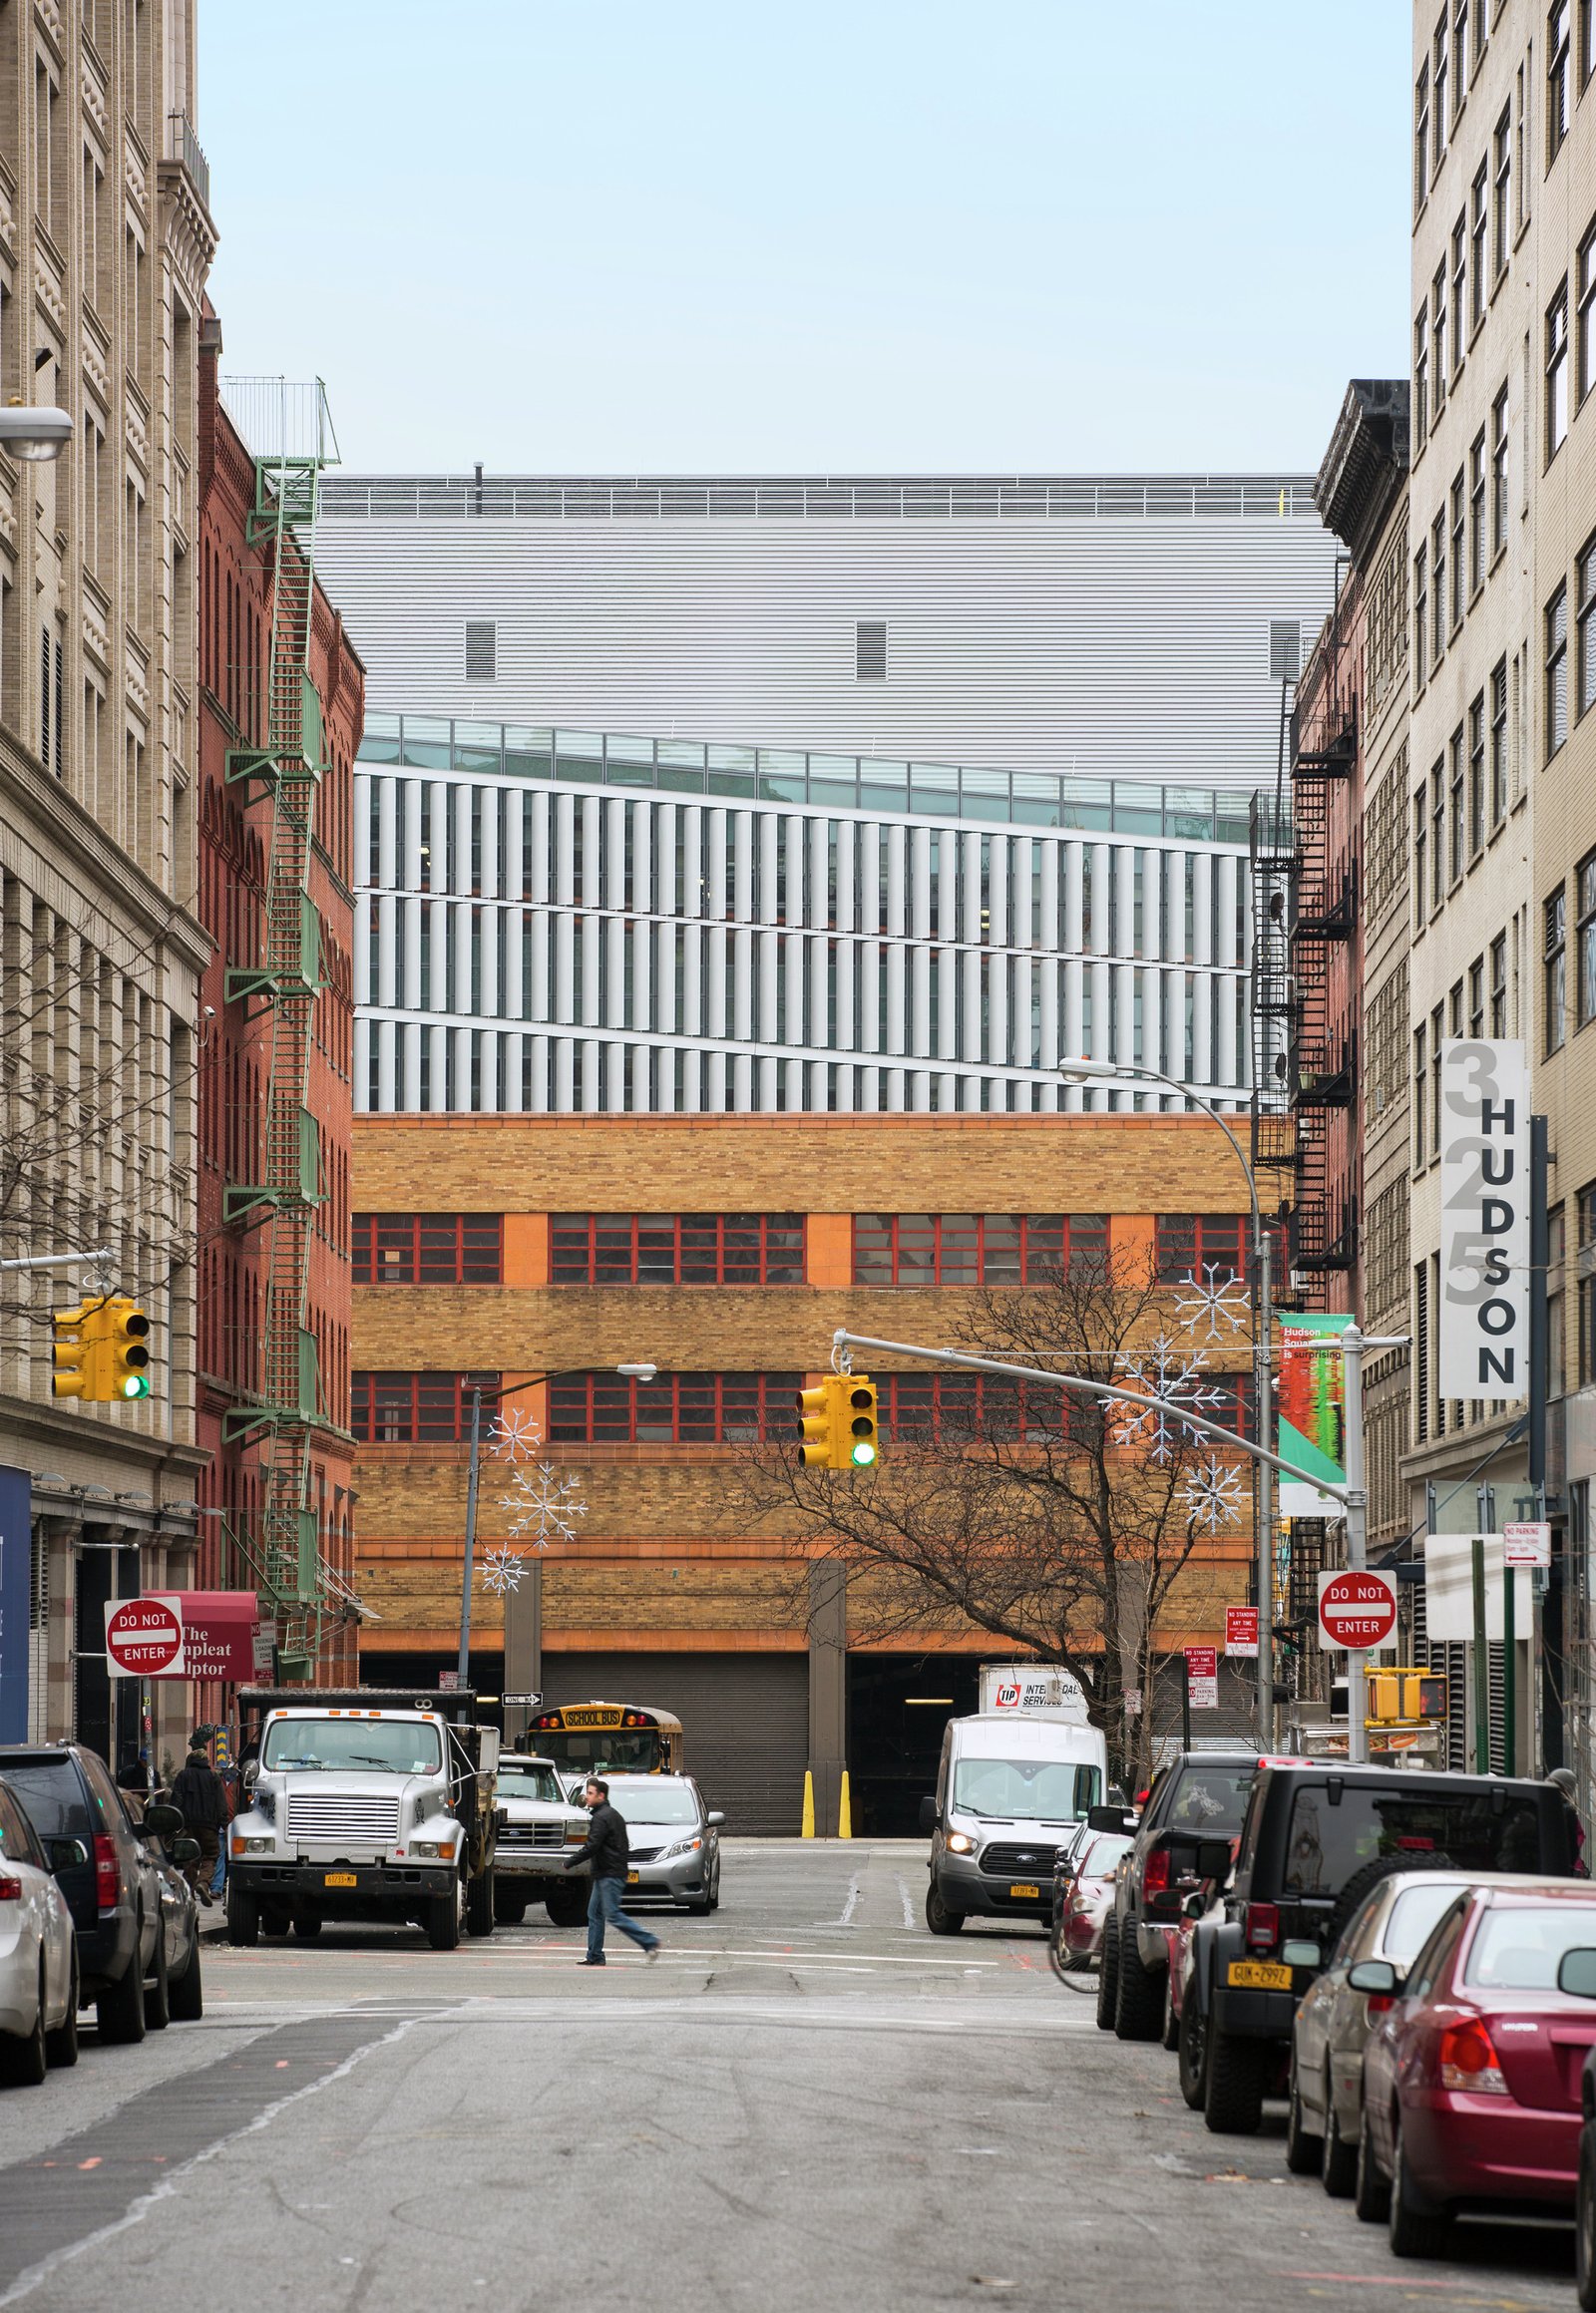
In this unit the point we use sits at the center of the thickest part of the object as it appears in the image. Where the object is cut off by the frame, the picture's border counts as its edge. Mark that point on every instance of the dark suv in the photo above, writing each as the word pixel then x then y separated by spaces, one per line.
pixel 1196 1804
pixel 1315 1839
pixel 116 1896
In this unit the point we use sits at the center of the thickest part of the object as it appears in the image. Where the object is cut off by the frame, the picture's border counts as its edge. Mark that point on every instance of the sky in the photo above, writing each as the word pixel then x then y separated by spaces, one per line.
pixel 836 236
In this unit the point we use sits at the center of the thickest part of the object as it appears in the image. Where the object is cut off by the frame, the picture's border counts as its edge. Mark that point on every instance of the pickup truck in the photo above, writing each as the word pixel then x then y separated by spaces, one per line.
pixel 364 1803
pixel 538 1828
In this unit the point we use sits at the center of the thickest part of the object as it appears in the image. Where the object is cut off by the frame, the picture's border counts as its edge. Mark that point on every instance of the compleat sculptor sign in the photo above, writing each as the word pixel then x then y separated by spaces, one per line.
pixel 183 1634
pixel 1484 1220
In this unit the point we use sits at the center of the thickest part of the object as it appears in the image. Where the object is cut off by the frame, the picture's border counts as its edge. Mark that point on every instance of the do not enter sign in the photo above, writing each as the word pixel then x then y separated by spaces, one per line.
pixel 1356 1609
pixel 141 1637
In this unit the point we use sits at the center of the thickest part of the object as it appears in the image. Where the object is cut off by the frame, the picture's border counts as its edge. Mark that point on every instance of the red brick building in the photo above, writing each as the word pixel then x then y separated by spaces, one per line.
pixel 234 642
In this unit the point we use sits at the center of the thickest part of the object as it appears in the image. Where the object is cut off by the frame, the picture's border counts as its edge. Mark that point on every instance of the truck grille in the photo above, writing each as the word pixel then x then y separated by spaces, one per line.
pixel 369 1821
pixel 533 1836
pixel 1019 1862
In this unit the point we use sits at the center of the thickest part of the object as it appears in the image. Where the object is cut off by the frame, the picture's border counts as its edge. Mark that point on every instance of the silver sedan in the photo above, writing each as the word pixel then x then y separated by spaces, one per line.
pixel 676 1840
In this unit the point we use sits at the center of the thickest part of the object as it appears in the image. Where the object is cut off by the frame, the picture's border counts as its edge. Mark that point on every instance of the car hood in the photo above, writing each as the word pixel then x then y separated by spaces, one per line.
pixel 538 1811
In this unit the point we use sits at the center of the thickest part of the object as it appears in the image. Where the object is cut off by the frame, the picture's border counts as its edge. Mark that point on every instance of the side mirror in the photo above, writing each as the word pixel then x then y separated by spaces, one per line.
pixel 185 1850
pixel 1299 1953
pixel 1109 1819
pixel 928 1814
pixel 1195 1905
pixel 715 1818
pixel 64 1853
pixel 1576 1973
pixel 251 1774
pixel 1380 1978
pixel 162 1821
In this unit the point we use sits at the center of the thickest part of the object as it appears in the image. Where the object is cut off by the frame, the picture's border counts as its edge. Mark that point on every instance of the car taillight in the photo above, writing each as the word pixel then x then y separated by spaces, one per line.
pixel 1377 2002
pixel 107 1871
pixel 1156 1872
pixel 10 1892
pixel 1263 1926
pixel 1465 2058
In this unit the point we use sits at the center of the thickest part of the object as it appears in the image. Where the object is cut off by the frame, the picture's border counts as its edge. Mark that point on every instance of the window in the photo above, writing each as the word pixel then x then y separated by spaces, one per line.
pixel 1585 928
pixel 1498 743
pixel 428 1248
pixel 1435 1033
pixel 1437 834
pixel 1502 230
pixel 1477 999
pixel 1477 514
pixel 1189 1243
pixel 1498 985
pixel 1420 377
pixel 1557 78
pixel 1460 560
pixel 1460 55
pixel 937 1408
pixel 1585 1222
pixel 870 650
pixel 1455 817
pixel 611 1409
pixel 1439 81
pixel 1418 860
pixel 481 649
pixel 1459 289
pixel 1420 138
pixel 1521 106
pixel 905 1249
pixel 1585 627
pixel 1421 616
pixel 418 1409
pixel 1421 1081
pixel 1557 371
pixel 1477 777
pixel 1437 619
pixel 1557 671
pixel 1554 971
pixel 677 1248
pixel 1498 474
pixel 1438 331
pixel 1585 349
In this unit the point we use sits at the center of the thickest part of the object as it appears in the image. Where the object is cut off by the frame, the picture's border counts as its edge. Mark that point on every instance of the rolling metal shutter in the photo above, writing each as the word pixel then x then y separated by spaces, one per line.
pixel 745 1717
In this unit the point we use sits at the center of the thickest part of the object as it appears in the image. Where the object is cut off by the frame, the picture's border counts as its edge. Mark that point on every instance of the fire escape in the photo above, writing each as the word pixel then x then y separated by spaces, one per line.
pixel 289 435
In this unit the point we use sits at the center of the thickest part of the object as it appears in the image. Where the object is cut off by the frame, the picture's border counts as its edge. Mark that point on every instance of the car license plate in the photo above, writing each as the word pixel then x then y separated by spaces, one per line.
pixel 339 1880
pixel 1024 1888
pixel 633 1878
pixel 1260 1974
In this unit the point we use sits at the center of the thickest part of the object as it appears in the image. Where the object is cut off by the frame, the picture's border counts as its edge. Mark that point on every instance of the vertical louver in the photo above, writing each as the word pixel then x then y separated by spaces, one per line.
pixel 481 649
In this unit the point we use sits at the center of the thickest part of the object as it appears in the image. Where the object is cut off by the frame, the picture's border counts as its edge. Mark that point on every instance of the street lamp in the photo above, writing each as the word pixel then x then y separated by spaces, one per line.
pixel 36 435
pixel 1084 1072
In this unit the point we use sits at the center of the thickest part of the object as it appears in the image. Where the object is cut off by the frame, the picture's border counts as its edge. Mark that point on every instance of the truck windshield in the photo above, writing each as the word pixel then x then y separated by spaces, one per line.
pixel 399 1746
pixel 518 1779
pixel 1008 1791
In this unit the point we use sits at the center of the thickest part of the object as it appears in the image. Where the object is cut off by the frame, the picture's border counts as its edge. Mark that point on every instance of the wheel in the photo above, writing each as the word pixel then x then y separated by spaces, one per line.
pixel 1416 2228
pixel 1337 2160
pixel 480 1916
pixel 186 1992
pixel 508 1906
pixel 24 2056
pixel 1108 1976
pixel 120 2006
pixel 157 1997
pixel 61 2045
pixel 1191 2052
pixel 701 1905
pixel 1305 2153
pixel 1138 2002
pixel 715 1892
pixel 276 1923
pixel 307 1925
pixel 1234 2104
pixel 567 1906
pixel 940 1920
pixel 1585 2222
pixel 243 1916
pixel 1371 2192
pixel 445 1920
pixel 1171 2038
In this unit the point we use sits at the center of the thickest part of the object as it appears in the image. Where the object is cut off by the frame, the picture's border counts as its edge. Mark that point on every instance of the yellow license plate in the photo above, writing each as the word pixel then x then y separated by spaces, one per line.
pixel 339 1880
pixel 633 1877
pixel 1022 1889
pixel 1260 1974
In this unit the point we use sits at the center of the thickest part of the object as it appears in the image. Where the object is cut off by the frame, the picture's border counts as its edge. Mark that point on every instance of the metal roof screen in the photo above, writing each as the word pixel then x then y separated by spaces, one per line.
pixel 870 650
pixel 481 649
pixel 1285 649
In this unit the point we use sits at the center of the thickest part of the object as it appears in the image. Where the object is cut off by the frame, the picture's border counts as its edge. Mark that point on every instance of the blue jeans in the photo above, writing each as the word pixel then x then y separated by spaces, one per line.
pixel 603 1909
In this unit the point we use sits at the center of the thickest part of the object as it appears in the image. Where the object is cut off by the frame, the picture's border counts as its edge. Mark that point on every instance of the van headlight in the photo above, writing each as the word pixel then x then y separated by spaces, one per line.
pixel 681 1847
pixel 959 1843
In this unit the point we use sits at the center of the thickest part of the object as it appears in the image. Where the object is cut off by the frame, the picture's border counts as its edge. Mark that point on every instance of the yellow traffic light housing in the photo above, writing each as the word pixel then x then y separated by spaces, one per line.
pixel 1405 1698
pixel 861 1444
pixel 837 1423
pixel 76 1355
pixel 816 1412
pixel 126 1355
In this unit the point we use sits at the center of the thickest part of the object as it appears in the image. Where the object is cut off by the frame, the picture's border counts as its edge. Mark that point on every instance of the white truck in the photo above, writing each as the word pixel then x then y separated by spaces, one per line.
pixel 538 1828
pixel 364 1803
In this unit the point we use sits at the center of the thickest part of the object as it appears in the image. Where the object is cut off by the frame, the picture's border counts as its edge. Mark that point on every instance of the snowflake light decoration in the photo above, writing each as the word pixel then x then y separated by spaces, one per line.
pixel 1176 1385
pixel 516 1434
pixel 503 1569
pixel 543 1504
pixel 1212 1495
pixel 1211 1304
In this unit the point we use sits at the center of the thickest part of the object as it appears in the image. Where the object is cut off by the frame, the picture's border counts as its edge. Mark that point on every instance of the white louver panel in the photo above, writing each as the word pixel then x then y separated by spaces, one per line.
pixel 320 1818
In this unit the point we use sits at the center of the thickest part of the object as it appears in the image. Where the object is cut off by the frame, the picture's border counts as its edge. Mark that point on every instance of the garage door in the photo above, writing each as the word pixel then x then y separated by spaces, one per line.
pixel 745 1718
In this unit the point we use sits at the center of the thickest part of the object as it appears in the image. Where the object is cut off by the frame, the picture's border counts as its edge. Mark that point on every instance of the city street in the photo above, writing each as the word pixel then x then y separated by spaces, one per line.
pixel 809 2102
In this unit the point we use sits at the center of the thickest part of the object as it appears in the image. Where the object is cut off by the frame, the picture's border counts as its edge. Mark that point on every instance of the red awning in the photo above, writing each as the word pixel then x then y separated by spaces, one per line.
pixel 219 1631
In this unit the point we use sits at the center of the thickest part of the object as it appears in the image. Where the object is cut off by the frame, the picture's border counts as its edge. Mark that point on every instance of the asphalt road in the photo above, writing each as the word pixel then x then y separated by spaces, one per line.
pixel 808 2103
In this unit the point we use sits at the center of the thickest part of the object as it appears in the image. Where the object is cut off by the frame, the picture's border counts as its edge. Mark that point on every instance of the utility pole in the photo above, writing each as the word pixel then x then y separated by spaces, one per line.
pixel 1264 1482
pixel 1356 1507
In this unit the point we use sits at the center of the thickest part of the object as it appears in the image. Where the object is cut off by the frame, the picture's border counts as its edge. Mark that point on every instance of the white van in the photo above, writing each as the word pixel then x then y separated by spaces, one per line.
pixel 1009 1791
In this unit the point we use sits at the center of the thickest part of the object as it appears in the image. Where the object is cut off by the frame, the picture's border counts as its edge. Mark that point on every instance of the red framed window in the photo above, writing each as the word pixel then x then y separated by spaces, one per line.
pixel 975 1248
pixel 1188 1243
pixel 418 1409
pixel 428 1248
pixel 677 1248
pixel 672 1409
pixel 944 1409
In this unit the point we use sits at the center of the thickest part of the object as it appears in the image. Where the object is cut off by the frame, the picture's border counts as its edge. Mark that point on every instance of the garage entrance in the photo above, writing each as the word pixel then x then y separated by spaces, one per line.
pixel 898 1706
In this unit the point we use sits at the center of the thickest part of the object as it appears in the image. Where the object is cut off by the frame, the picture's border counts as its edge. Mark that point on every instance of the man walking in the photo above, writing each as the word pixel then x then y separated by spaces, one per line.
pixel 198 1790
pixel 607 1849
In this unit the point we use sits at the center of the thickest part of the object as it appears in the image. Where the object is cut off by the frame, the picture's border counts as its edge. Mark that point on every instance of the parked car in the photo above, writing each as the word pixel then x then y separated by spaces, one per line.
pixel 127 1925
pixel 538 1828
pixel 1472 2079
pixel 37 1951
pixel 676 1840
pixel 1324 2092
pixel 1315 1839
pixel 1083 1894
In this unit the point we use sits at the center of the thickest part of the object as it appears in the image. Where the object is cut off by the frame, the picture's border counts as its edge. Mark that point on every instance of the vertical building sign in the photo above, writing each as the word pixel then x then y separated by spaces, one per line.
pixel 16 1578
pixel 1483 1317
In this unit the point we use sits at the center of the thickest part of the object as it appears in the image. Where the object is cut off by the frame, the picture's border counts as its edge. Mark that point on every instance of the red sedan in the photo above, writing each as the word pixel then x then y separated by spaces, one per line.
pixel 1471 2079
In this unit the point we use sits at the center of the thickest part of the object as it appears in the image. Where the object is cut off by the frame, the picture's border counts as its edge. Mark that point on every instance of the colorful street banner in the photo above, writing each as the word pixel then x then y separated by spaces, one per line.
pixel 1309 1409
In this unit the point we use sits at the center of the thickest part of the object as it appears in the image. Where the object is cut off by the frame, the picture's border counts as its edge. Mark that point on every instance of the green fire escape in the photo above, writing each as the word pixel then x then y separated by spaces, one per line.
pixel 290 436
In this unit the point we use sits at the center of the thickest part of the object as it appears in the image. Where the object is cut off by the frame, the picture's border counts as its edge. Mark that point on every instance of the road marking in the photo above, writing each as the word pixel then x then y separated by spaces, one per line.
pixel 908 1907
pixel 851 1906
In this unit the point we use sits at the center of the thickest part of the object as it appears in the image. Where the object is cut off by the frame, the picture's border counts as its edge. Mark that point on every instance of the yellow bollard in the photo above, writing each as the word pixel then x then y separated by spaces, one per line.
pixel 844 1820
pixel 808 1830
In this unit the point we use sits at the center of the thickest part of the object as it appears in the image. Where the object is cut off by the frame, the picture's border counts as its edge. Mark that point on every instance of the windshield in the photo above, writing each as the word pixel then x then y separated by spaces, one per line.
pixel 1103 1855
pixel 518 1781
pixel 1008 1791
pixel 654 1802
pixel 401 1746
pixel 1414 1914
pixel 51 1791
pixel 1518 1949
pixel 603 1749
pixel 1473 1830
pixel 1211 1799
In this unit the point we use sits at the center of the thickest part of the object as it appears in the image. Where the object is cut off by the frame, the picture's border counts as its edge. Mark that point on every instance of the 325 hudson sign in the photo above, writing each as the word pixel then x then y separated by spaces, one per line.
pixel 1484 1220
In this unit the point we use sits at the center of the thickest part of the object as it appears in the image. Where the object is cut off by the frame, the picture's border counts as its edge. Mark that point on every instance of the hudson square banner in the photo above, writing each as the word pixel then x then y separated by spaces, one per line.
pixel 1483 1319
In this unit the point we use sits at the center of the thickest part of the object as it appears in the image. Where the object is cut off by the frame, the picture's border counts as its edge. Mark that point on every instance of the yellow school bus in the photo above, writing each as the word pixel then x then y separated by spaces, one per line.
pixel 607 1739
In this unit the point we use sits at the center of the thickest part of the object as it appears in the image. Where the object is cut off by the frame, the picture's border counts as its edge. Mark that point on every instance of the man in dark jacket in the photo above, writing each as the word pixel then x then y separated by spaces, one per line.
pixel 199 1790
pixel 606 1850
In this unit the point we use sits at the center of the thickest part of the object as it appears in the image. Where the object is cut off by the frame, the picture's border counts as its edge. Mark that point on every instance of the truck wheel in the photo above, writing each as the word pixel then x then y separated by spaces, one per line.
pixel 940 1920
pixel 1191 2052
pixel 243 1916
pixel 1108 1976
pixel 567 1906
pixel 445 1918
pixel 1234 2104
pixel 1139 2004
pixel 276 1923
pixel 307 1925
pixel 508 1906
pixel 480 1909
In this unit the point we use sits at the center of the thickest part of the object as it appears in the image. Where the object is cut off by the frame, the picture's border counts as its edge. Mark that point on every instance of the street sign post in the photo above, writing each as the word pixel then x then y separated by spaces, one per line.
pixel 1356 1609
pixel 521 1702
pixel 1202 1672
pixel 142 1638
pixel 1241 1629
pixel 1527 1542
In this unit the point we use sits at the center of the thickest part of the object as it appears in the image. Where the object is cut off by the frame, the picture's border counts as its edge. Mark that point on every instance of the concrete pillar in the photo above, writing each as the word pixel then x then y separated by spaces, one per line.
pixel 523 1648
pixel 828 1688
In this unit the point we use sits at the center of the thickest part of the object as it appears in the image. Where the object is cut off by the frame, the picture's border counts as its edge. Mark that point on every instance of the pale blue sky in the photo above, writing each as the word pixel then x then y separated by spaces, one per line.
pixel 727 236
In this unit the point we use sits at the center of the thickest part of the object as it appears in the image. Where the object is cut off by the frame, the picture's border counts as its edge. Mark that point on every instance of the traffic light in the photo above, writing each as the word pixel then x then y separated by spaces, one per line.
pixel 860 1442
pixel 837 1423
pixel 76 1354
pixel 816 1412
pixel 125 1358
pixel 1405 1696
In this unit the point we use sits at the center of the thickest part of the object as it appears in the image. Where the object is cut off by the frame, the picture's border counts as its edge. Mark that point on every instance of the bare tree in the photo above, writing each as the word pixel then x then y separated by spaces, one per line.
pixel 1067 1527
